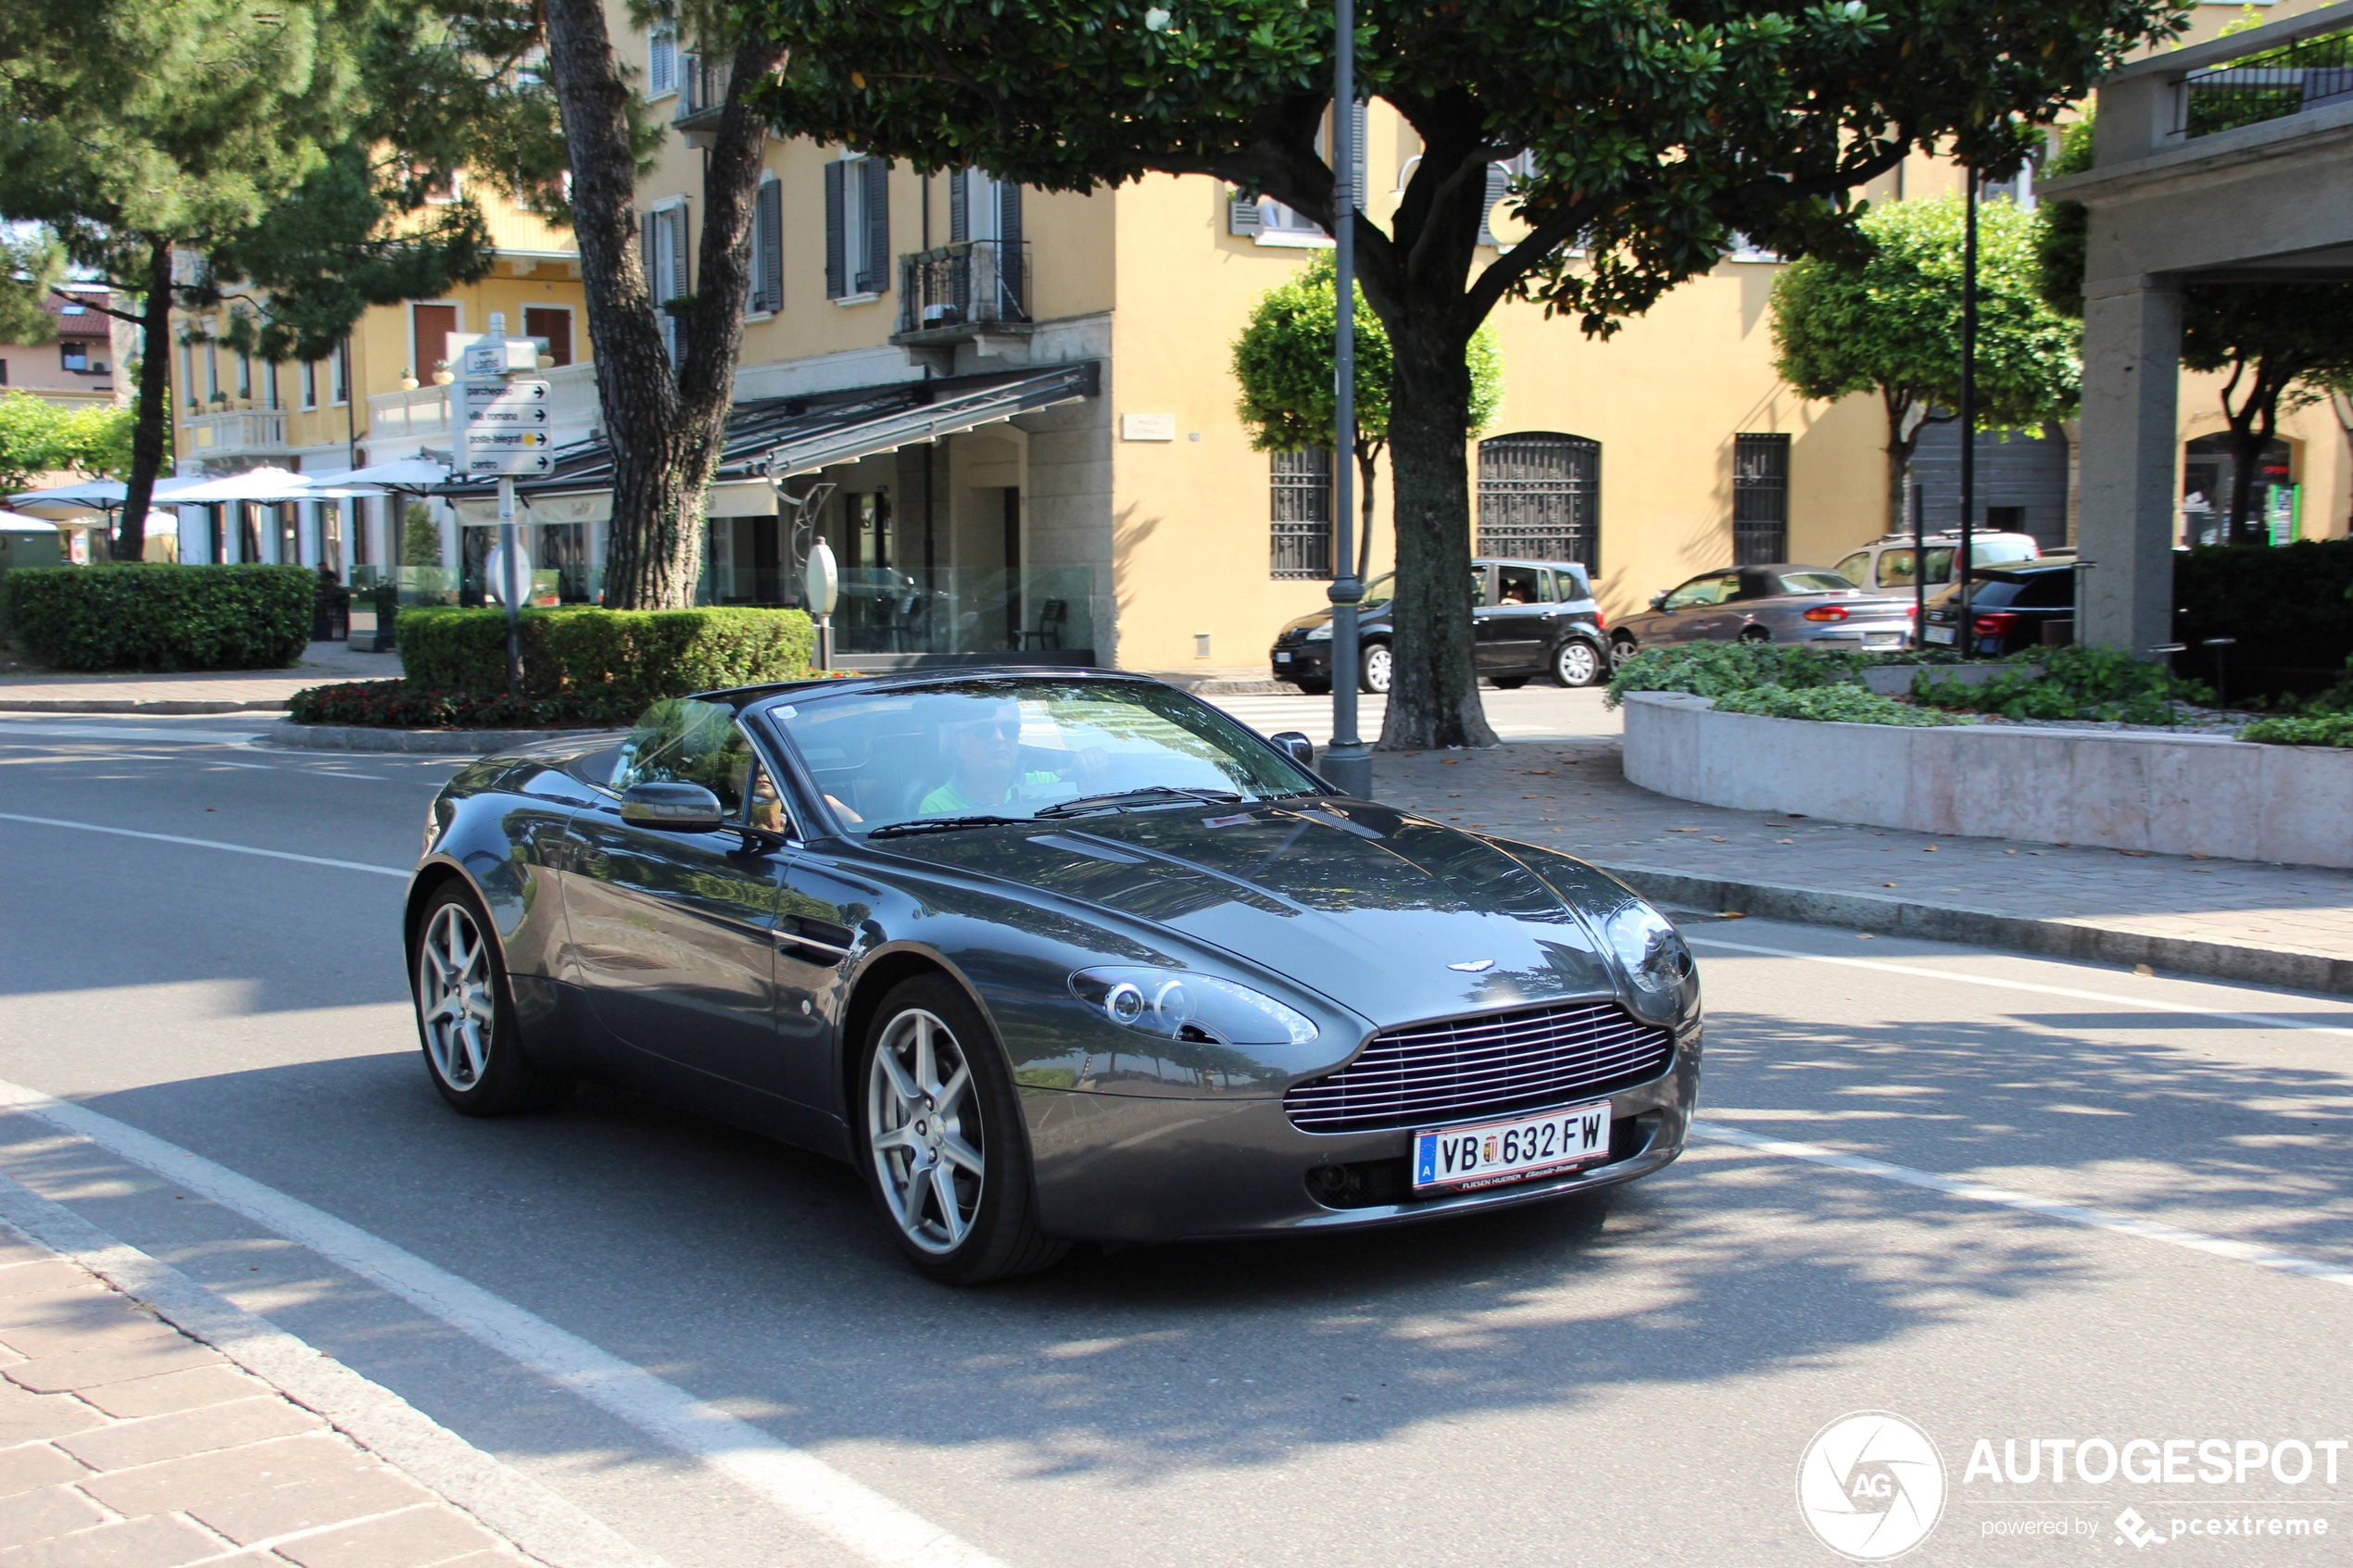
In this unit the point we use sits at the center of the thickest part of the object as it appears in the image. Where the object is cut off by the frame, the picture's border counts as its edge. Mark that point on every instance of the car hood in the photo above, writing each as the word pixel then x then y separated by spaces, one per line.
pixel 1365 617
pixel 1392 916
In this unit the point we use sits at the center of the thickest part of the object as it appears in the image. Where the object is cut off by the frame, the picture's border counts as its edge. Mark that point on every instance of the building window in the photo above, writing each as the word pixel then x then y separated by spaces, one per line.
pixel 550 327
pixel 662 62
pixel 310 384
pixel 669 276
pixel 1760 499
pixel 1540 499
pixel 1499 185
pixel 74 356
pixel 857 228
pixel 342 371
pixel 245 375
pixel 767 295
pixel 4 372
pixel 211 371
pixel 1301 533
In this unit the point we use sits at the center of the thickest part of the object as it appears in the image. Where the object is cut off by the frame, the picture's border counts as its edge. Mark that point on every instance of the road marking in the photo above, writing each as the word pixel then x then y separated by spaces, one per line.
pixel 801 1485
pixel 400 871
pixel 123 731
pixel 2268 1020
pixel 2074 1213
pixel 526 1512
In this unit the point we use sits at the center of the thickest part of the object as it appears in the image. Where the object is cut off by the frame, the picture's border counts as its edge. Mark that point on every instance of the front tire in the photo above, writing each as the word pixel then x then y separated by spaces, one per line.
pixel 1314 688
pixel 1755 634
pixel 1508 682
pixel 1620 650
pixel 466 1012
pixel 1379 668
pixel 941 1142
pixel 1578 663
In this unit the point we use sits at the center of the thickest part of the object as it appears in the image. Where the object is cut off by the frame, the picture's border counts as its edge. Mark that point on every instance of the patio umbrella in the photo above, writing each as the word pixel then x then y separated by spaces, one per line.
pixel 401 474
pixel 264 486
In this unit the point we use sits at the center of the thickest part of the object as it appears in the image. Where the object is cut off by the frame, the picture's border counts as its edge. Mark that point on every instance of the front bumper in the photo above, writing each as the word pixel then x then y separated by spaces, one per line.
pixel 1301 661
pixel 1137 1168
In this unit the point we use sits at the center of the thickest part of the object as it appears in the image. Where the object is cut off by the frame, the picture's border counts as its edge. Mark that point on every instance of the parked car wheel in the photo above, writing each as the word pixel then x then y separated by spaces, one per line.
pixel 1620 650
pixel 1378 668
pixel 941 1138
pixel 1578 663
pixel 466 1013
pixel 1508 682
pixel 1755 635
pixel 1314 688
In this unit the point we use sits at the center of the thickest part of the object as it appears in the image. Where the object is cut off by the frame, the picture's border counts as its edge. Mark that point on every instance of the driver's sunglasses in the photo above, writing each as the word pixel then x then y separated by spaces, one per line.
pixel 1008 729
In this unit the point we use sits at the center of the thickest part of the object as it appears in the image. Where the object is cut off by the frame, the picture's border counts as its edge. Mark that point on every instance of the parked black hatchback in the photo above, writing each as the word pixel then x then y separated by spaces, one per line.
pixel 1532 618
pixel 2008 609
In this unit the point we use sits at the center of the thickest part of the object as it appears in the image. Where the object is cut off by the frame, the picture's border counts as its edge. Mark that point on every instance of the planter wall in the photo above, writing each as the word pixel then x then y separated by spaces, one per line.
pixel 2172 795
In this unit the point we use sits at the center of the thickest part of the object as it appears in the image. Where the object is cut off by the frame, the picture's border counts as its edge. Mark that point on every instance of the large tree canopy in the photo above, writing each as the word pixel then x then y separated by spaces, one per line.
pixel 1654 130
pixel 1890 323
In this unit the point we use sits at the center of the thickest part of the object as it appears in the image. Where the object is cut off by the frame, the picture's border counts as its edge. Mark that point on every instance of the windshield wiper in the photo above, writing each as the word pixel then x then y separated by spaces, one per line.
pixel 943 824
pixel 1114 799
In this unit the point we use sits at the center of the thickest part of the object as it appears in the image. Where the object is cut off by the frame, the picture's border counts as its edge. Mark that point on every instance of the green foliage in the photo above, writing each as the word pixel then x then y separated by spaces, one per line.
pixel 30 263
pixel 1285 362
pixel 2105 684
pixel 608 664
pixel 401 706
pixel 40 437
pixel 1892 323
pixel 1835 705
pixel 1720 669
pixel 2061 233
pixel 2290 607
pixel 157 617
pixel 419 536
pixel 2318 728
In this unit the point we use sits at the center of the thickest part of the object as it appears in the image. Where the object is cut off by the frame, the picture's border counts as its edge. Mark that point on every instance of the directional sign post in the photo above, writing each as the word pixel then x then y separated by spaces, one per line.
pixel 503 430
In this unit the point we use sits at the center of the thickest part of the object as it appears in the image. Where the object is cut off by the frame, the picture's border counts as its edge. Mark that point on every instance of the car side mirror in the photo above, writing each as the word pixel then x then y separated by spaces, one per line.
pixel 1295 745
pixel 678 807
pixel 1658 600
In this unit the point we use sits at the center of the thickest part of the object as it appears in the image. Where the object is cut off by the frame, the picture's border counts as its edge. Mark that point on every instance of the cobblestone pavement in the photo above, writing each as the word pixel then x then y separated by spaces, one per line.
pixel 124 1443
pixel 51 691
pixel 1573 795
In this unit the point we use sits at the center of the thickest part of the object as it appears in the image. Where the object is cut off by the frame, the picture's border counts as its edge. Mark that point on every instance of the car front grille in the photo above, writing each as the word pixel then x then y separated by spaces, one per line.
pixel 1428 1073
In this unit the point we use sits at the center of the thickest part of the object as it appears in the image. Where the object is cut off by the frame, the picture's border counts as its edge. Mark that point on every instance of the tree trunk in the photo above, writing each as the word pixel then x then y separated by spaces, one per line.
pixel 2252 425
pixel 1434 699
pixel 1367 460
pixel 154 381
pixel 666 430
pixel 1900 443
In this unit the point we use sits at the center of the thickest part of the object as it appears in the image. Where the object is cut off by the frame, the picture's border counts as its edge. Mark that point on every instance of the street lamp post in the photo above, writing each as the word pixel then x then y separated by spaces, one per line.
pixel 1347 761
pixel 1961 556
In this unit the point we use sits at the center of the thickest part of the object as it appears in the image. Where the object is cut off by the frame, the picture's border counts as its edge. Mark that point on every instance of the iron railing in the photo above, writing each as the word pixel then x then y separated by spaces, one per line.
pixel 1540 499
pixel 972 282
pixel 1760 499
pixel 1301 535
pixel 702 85
pixel 2277 82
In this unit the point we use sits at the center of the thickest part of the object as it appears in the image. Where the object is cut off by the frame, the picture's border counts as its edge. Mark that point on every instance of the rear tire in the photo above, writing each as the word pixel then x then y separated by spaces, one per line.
pixel 1508 682
pixel 466 1012
pixel 1314 688
pixel 1755 634
pixel 941 1142
pixel 1576 664
pixel 1378 669
pixel 1620 650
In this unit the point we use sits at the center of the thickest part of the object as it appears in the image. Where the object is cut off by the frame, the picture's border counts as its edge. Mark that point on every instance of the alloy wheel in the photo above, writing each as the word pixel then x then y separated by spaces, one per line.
pixel 1576 664
pixel 924 1131
pixel 1378 667
pixel 456 996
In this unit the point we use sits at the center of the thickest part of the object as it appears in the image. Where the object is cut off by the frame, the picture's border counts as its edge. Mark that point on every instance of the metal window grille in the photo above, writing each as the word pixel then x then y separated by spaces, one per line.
pixel 1540 499
pixel 1303 513
pixel 1760 499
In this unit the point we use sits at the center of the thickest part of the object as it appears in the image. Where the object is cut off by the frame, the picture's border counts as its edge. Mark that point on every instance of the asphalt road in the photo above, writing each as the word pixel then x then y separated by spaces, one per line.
pixel 2005 1198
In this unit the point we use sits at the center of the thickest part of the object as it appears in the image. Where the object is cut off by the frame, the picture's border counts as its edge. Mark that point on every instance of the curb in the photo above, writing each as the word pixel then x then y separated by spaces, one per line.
pixel 287 736
pixel 1945 922
pixel 124 705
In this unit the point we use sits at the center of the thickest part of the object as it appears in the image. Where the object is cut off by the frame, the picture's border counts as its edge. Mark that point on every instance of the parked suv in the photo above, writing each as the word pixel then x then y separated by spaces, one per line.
pixel 2008 609
pixel 1532 618
pixel 1886 565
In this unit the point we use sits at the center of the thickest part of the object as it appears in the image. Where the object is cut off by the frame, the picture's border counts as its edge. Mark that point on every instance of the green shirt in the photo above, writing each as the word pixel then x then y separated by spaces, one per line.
pixel 950 801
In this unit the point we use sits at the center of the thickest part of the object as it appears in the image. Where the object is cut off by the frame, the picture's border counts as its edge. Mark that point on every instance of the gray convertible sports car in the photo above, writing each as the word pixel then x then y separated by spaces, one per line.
pixel 1049 957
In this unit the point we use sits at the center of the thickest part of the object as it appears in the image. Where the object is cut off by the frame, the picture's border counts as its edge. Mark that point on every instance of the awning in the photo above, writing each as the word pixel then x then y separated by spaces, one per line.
pixel 776 437
pixel 402 473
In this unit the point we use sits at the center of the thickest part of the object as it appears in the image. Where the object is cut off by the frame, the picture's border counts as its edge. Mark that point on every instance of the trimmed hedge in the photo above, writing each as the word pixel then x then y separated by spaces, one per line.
pixel 153 616
pixel 2289 605
pixel 1833 704
pixel 396 704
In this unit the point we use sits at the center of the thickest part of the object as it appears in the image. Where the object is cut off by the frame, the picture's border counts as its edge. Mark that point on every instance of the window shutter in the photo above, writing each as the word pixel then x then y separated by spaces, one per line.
pixel 1242 217
pixel 681 278
pixel 960 224
pixel 1499 185
pixel 1009 218
pixel 662 64
pixel 836 279
pixel 648 248
pixel 874 276
pixel 768 229
pixel 1357 163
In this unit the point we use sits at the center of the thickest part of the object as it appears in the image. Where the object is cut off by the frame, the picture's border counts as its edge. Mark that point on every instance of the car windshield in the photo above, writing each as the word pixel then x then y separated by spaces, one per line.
pixel 1020 747
pixel 1813 583
pixel 1380 590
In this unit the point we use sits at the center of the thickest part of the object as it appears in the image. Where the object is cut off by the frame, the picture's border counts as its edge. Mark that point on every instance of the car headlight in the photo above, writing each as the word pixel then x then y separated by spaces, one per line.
pixel 432 822
pixel 1652 954
pixel 1176 1005
pixel 1319 633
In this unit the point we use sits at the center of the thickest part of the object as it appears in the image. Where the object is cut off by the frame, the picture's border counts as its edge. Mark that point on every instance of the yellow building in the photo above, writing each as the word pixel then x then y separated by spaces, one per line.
pixel 376 401
pixel 907 389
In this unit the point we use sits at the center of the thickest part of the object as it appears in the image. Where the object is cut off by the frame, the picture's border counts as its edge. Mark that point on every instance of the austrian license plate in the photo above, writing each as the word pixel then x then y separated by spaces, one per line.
pixel 1282 658
pixel 1940 633
pixel 1492 1153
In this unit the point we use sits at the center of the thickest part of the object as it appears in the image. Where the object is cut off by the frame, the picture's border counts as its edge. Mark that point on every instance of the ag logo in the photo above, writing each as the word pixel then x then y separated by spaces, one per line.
pixel 1872 1486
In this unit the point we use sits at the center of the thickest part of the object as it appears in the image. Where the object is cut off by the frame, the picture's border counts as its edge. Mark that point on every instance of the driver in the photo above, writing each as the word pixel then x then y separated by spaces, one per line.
pixel 988 776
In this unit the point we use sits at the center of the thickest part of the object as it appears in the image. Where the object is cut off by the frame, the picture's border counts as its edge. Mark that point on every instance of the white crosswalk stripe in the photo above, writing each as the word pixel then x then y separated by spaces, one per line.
pixel 1533 714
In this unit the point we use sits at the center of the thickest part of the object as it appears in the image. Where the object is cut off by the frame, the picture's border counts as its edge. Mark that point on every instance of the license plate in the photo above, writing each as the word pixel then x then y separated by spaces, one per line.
pixel 1940 633
pixel 1881 639
pixel 1282 658
pixel 1492 1153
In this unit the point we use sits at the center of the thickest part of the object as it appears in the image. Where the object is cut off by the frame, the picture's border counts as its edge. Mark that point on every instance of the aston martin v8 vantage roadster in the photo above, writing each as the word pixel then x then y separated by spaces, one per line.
pixel 1049 957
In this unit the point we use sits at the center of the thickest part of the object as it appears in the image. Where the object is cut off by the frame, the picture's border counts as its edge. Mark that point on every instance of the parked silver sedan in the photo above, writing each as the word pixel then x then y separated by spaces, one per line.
pixel 1782 602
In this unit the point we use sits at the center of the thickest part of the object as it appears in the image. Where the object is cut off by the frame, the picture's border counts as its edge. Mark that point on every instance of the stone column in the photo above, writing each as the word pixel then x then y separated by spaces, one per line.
pixel 2132 374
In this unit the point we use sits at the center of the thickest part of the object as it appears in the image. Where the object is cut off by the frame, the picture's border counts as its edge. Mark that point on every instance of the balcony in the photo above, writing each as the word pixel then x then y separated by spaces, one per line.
pixel 236 431
pixel 974 292
pixel 2290 78
pixel 702 98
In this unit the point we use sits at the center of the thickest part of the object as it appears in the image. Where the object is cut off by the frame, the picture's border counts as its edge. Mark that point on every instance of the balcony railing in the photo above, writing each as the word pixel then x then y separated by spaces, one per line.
pixel 970 283
pixel 238 429
pixel 703 88
pixel 2271 85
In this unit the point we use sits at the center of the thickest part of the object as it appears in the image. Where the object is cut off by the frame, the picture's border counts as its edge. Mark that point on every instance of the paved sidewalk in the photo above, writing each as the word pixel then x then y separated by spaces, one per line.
pixel 125 1444
pixel 210 691
pixel 2238 920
